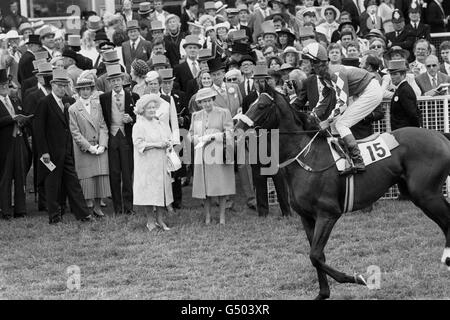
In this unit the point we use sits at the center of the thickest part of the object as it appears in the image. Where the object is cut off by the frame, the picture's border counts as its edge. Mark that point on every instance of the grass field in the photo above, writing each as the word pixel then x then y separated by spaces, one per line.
pixel 249 258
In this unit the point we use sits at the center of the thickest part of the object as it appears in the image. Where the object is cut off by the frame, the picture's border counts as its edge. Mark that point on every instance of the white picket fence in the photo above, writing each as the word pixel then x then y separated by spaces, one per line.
pixel 435 116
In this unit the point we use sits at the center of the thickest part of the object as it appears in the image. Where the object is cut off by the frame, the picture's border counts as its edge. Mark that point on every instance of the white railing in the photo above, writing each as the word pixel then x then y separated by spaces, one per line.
pixel 435 116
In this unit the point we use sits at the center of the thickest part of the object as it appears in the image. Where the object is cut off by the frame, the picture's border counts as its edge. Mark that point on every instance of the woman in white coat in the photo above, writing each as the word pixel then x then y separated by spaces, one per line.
pixel 152 140
pixel 90 136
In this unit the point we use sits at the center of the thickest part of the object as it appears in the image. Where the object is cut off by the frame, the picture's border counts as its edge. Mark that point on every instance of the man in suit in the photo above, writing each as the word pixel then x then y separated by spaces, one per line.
pixel 260 78
pixel 117 106
pixel 228 94
pixel 25 69
pixel 184 120
pixel 246 65
pixel 189 14
pixel 15 156
pixel 416 26
pixel 444 50
pixel 136 47
pixel 400 36
pixel 47 37
pixel 70 60
pixel 109 57
pixel 243 21
pixel 54 145
pixel 189 69
pixel 430 80
pixel 435 16
pixel 404 111
pixel 31 100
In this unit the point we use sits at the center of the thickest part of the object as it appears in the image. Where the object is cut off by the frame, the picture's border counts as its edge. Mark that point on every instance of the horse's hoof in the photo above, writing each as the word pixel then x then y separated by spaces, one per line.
pixel 321 296
pixel 359 279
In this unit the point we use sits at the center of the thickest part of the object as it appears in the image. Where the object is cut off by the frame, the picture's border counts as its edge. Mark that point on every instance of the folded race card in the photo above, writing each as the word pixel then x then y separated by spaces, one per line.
pixel 51 166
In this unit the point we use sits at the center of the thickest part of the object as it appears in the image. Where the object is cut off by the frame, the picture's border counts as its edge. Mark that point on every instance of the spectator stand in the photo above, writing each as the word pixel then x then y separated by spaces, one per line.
pixel 435 116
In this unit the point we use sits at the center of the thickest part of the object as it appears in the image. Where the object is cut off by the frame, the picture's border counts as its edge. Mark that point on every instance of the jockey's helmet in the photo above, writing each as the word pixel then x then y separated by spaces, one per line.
pixel 315 51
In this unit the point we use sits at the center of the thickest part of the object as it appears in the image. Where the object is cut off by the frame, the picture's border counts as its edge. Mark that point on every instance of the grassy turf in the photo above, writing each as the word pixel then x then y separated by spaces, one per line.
pixel 249 258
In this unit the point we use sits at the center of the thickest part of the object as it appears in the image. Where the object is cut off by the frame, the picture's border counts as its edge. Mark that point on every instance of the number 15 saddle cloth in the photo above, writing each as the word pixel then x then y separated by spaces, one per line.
pixel 373 149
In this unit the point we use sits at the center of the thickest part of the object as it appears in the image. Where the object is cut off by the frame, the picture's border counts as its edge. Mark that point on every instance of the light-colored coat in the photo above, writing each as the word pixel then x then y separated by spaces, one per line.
pixel 212 178
pixel 88 130
pixel 231 100
pixel 152 184
pixel 167 113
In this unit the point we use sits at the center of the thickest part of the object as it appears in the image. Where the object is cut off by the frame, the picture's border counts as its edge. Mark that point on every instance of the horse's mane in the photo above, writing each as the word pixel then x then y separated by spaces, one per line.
pixel 302 119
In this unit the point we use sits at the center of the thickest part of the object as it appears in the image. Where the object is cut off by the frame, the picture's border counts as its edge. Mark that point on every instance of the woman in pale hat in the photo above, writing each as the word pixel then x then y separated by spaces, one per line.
pixel 90 74
pixel 139 70
pixel 291 56
pixel 210 128
pixel 90 136
pixel 331 15
pixel 152 185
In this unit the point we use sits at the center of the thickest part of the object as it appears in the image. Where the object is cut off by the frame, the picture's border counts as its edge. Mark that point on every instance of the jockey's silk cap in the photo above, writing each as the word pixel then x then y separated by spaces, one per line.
pixel 315 51
pixel 205 93
pixel 397 65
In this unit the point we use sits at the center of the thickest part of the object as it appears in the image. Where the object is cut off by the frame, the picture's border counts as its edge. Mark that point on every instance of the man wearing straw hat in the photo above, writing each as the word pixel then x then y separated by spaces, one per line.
pixel 117 106
pixel 136 47
pixel 54 146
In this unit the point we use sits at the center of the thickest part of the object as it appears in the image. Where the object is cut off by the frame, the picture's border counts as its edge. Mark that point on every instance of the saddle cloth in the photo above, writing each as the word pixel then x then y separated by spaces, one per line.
pixel 373 149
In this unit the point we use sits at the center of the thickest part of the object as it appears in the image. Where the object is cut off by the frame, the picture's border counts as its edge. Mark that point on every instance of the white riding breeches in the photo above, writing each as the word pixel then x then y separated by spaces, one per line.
pixel 360 108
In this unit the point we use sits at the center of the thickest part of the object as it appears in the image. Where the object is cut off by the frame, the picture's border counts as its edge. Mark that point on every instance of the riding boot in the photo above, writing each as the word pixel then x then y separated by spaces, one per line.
pixel 355 155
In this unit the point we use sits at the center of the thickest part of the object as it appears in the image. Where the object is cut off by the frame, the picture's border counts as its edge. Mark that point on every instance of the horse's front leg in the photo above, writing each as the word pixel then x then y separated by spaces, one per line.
pixel 324 293
pixel 322 232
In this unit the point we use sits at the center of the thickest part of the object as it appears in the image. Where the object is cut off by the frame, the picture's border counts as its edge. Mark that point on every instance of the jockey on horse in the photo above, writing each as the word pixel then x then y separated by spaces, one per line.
pixel 346 82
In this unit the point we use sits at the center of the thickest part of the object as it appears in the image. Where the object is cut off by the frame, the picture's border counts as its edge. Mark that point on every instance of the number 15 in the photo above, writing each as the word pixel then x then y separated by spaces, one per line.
pixel 380 152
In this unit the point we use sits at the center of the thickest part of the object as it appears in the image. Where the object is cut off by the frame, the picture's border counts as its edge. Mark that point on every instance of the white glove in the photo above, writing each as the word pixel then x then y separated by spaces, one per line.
pixel 93 149
pixel 100 149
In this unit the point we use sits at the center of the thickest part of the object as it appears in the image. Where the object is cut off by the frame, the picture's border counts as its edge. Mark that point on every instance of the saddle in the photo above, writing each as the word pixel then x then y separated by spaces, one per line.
pixel 374 148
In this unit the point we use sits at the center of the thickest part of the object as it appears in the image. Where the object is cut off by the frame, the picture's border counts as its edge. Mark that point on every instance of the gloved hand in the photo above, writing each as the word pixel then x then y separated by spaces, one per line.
pixel 93 149
pixel 100 149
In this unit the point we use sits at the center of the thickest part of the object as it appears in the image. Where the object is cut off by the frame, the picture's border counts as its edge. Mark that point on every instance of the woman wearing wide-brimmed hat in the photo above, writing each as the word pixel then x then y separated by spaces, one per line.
pixel 90 136
pixel 286 38
pixel 331 15
pixel 211 129
pixel 152 185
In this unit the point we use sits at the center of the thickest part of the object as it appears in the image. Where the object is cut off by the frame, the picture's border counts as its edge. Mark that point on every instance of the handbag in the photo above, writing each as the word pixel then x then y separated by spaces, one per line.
pixel 173 161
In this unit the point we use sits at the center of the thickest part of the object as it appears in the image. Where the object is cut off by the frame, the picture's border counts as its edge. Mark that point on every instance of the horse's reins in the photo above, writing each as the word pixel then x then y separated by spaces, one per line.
pixel 306 151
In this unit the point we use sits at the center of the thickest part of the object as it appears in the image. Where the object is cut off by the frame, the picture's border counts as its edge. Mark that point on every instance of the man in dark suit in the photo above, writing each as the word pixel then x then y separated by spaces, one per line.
pixel 15 153
pixel 25 69
pixel 184 121
pixel 54 145
pixel 117 106
pixel 136 47
pixel 189 14
pixel 31 100
pixel 435 16
pixel 416 26
pixel 404 111
pixel 260 77
pixel 400 36
pixel 189 69
pixel 247 64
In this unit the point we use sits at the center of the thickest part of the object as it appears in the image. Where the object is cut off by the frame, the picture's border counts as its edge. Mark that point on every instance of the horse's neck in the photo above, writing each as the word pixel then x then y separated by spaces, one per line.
pixel 291 139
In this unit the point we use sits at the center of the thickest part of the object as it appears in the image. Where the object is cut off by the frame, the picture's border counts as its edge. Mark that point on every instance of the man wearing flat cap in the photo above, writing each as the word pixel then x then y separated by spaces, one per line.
pixel 54 145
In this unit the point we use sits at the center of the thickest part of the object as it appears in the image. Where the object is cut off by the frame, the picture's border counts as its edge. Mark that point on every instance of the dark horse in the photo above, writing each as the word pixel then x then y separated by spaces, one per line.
pixel 420 164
